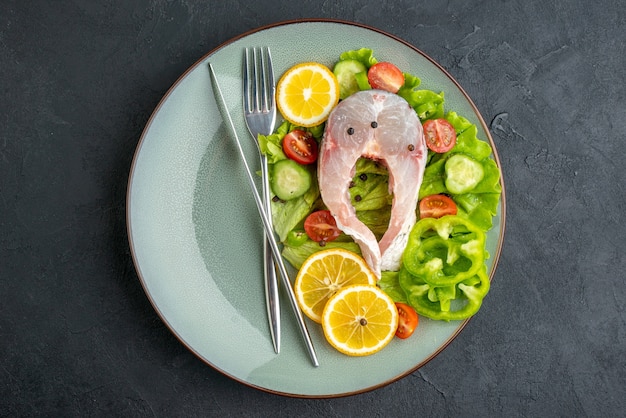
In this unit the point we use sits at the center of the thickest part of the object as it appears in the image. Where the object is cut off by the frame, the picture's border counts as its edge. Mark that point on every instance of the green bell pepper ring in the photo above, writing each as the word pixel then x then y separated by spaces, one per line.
pixel 446 303
pixel 444 251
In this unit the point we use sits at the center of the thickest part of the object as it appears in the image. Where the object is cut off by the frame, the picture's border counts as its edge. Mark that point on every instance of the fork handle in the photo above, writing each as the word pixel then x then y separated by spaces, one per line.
pixel 272 300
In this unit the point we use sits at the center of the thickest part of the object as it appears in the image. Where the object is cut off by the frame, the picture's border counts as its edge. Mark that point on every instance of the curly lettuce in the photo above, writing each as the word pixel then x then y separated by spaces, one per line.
pixel 364 55
pixel 426 103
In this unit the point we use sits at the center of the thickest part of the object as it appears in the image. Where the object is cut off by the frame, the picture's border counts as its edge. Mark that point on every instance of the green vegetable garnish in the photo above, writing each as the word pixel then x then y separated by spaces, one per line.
pixel 463 173
pixel 444 251
pixel 447 303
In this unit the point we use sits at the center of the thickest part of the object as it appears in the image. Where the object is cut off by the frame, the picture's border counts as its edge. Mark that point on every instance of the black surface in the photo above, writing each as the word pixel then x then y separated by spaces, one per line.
pixel 79 80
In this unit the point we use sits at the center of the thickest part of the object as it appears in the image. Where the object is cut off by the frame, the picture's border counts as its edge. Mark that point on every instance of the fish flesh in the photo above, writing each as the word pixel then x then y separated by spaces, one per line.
pixel 381 126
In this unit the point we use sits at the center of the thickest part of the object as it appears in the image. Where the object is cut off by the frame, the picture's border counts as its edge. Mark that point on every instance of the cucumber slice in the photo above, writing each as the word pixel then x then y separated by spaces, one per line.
pixel 345 71
pixel 289 179
pixel 463 173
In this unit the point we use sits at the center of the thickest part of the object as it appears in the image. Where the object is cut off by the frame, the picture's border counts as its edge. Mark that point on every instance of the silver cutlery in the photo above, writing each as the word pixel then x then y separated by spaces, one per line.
pixel 260 114
pixel 266 222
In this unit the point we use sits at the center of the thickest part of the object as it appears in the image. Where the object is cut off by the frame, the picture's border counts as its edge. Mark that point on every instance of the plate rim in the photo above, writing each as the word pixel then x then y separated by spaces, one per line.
pixel 495 257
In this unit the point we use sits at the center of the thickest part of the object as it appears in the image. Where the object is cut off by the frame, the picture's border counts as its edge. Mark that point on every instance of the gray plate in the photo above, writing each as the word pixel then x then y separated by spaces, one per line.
pixel 196 237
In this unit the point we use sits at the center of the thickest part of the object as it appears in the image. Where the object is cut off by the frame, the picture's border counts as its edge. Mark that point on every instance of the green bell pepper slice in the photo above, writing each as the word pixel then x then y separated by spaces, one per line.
pixel 444 251
pixel 446 303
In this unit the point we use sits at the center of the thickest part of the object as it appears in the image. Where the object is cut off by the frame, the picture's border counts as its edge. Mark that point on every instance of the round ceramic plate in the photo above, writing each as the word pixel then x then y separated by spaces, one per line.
pixel 196 237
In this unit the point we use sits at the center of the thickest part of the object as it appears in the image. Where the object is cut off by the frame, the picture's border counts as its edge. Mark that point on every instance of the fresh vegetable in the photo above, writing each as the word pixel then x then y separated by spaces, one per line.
pixel 288 215
pixel 321 227
pixel 407 320
pixel 346 72
pixel 369 191
pixel 444 251
pixel 426 103
pixel 297 255
pixel 389 283
pixel 443 273
pixel 300 146
pixel 440 135
pixel 463 173
pixel 289 179
pixel 296 238
pixel 364 55
pixel 385 76
pixel 447 303
pixel 436 206
pixel 362 81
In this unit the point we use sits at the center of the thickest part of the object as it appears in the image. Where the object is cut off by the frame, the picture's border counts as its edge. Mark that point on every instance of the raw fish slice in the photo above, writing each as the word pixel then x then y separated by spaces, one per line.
pixel 382 126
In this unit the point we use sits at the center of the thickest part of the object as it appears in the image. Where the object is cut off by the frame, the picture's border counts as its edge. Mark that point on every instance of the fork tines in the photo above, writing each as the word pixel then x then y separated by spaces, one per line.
pixel 258 82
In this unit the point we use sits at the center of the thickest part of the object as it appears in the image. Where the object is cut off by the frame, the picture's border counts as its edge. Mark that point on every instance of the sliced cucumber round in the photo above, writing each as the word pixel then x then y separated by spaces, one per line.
pixel 346 71
pixel 289 179
pixel 463 173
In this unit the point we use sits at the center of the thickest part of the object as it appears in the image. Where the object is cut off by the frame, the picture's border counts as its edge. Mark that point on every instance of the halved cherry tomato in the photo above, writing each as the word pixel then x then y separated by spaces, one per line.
pixel 385 76
pixel 440 135
pixel 407 320
pixel 436 206
pixel 300 146
pixel 320 226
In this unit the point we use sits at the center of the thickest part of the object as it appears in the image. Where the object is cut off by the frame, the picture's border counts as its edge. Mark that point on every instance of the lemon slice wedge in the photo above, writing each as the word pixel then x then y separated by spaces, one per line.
pixel 306 94
pixel 360 320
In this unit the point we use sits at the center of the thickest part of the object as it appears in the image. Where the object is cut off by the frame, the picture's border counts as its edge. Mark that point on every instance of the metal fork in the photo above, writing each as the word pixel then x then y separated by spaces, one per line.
pixel 260 114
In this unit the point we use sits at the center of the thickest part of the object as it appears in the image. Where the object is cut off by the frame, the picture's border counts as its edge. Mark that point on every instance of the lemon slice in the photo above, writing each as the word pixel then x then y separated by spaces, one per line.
pixel 360 320
pixel 306 94
pixel 324 273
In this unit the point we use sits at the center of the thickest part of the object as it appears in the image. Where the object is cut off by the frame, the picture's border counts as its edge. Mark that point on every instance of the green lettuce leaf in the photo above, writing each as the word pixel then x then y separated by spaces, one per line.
pixel 434 179
pixel 296 255
pixel 478 208
pixel 376 220
pixel 287 215
pixel 363 55
pixel 272 145
pixel 368 166
pixel 371 193
pixel 426 103
pixel 411 83
pixel 467 141
pixel 390 284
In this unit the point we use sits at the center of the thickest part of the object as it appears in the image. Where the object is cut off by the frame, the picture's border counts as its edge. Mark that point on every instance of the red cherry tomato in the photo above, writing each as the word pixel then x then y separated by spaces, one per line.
pixel 385 76
pixel 320 226
pixel 436 206
pixel 407 320
pixel 300 146
pixel 440 135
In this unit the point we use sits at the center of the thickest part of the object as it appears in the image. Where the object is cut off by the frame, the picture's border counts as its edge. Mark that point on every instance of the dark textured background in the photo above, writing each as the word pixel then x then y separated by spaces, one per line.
pixel 79 80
